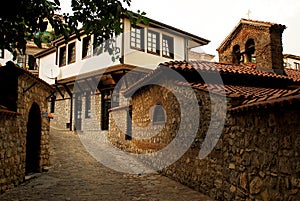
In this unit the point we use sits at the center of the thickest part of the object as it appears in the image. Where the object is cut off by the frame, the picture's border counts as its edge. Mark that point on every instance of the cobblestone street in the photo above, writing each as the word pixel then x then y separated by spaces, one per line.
pixel 75 175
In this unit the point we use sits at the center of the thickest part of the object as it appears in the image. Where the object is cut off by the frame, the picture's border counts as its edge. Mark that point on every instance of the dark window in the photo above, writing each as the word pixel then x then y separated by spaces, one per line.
pixel 88 105
pixel 87 50
pixel 159 115
pixel 27 61
pixel 137 38
pixel 250 51
pixel 106 105
pixel 72 52
pixel 52 105
pixel 153 42
pixel 297 66
pixel 1 53
pixel 168 46
pixel 32 62
pixel 78 111
pixel 62 56
pixel 128 135
pixel 236 54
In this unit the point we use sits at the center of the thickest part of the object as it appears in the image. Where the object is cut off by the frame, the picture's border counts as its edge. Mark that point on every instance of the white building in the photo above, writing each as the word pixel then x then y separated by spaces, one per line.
pixel 85 80
pixel 26 61
pixel 291 61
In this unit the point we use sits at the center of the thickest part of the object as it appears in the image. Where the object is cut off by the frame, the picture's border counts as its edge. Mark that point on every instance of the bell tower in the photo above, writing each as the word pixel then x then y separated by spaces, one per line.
pixel 254 42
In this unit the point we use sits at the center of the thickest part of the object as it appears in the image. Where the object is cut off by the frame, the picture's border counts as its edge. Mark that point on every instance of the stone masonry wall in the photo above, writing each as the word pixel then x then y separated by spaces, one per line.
pixel 255 158
pixel 12 151
pixel 37 94
pixel 13 132
pixel 268 46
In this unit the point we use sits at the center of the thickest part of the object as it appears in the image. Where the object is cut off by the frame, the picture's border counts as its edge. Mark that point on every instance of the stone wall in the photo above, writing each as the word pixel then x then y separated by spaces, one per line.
pixel 268 45
pixel 256 156
pixel 37 94
pixel 13 131
pixel 12 151
pixel 62 112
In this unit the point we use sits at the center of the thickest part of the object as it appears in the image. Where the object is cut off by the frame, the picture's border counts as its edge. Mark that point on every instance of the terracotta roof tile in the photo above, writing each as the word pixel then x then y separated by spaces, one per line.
pixel 293 74
pixel 222 68
pixel 249 95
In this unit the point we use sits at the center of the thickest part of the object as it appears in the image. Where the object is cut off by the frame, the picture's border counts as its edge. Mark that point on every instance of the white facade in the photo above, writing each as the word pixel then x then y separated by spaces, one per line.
pixel 50 68
pixel 291 61
pixel 5 56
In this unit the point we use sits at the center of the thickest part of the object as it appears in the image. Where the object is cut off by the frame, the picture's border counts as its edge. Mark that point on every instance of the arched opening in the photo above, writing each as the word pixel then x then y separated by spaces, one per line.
pixel 236 54
pixel 159 115
pixel 250 51
pixel 33 139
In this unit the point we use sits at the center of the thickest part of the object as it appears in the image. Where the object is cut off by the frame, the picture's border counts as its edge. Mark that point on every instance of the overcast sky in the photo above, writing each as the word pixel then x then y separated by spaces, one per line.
pixel 215 19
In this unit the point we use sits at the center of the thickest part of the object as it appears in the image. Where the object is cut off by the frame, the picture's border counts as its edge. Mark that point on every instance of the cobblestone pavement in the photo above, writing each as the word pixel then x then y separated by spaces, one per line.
pixel 75 175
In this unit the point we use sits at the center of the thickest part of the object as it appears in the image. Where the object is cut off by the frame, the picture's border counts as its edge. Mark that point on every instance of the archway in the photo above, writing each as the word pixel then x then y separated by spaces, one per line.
pixel 236 54
pixel 33 139
pixel 250 51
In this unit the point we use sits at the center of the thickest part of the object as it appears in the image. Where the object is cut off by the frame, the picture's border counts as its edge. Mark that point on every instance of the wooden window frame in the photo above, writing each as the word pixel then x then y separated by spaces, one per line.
pixel 72 52
pixel 87 49
pixel 153 43
pixel 62 57
pixel 137 38
pixel 170 49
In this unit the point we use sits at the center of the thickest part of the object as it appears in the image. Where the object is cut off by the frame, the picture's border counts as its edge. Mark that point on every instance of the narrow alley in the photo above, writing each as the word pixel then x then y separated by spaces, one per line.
pixel 75 175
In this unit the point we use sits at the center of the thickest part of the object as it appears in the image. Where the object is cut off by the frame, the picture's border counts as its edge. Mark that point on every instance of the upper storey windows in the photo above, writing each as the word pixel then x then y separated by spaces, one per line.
pixel 157 43
pixel 147 40
pixel 137 38
pixel 153 42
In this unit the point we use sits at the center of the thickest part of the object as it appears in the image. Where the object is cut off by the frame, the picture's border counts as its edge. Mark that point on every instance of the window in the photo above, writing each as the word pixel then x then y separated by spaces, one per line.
pixel 31 62
pixel 62 56
pixel 159 115
pixel 137 38
pixel 1 53
pixel 52 105
pixel 153 42
pixel 250 51
pixel 297 66
pixel 72 52
pixel 168 47
pixel 236 54
pixel 88 105
pixel 87 50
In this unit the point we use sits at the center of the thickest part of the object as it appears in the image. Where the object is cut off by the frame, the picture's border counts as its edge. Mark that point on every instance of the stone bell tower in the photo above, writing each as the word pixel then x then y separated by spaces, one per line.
pixel 254 42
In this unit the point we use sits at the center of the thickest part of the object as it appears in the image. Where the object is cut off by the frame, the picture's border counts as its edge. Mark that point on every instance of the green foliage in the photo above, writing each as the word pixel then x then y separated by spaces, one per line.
pixel 25 20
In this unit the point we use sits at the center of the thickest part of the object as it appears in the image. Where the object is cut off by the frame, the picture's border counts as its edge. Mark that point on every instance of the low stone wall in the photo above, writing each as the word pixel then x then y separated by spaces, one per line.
pixel 32 93
pixel 12 151
pixel 256 156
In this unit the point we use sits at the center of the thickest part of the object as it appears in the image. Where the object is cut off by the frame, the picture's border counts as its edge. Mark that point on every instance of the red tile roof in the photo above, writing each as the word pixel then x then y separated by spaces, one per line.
pixel 293 74
pixel 249 95
pixel 222 68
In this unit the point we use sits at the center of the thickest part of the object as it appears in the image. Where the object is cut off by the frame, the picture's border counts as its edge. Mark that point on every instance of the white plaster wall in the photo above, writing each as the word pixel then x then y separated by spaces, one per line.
pixel 7 57
pixel 290 63
pixel 104 60
pixel 146 60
